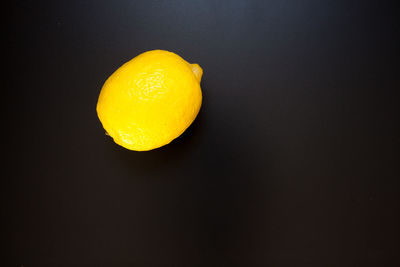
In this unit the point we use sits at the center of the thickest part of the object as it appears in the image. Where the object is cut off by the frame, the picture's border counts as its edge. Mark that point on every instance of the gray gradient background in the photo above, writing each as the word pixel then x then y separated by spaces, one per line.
pixel 292 161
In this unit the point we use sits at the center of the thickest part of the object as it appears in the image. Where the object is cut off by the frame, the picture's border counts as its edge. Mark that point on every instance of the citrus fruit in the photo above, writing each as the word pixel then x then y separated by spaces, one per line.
pixel 150 100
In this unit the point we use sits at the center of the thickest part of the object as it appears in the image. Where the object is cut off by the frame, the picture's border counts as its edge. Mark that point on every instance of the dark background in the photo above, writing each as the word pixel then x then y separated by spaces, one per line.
pixel 292 161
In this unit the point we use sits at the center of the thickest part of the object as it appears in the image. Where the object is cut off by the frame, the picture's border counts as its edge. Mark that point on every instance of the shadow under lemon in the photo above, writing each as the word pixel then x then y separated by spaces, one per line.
pixel 156 163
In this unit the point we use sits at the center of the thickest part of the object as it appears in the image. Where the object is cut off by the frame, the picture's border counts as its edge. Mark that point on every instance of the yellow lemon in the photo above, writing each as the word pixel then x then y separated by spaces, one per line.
pixel 150 100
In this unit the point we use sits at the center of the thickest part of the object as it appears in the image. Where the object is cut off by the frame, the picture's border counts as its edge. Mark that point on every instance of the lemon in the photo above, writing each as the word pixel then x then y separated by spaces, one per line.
pixel 150 100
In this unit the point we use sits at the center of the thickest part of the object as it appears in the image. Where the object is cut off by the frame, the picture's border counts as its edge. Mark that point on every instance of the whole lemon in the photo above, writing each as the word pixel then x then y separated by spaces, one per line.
pixel 150 100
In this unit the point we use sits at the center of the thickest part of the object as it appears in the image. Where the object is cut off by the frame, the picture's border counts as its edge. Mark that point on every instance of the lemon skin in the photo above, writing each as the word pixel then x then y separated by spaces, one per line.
pixel 150 100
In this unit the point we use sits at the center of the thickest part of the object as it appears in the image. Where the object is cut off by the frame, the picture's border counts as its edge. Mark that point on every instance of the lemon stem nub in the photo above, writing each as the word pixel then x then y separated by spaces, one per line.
pixel 197 70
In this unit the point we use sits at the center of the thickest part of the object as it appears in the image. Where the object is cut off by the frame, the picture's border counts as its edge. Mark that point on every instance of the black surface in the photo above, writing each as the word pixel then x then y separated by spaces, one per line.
pixel 292 161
